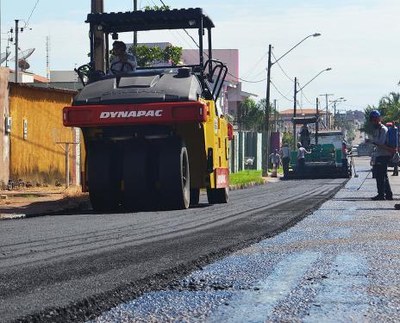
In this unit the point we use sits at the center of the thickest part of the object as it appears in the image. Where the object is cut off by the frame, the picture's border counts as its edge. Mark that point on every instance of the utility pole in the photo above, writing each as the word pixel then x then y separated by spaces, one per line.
pixel 334 115
pixel 334 102
pixel 48 58
pixel 326 95
pixel 275 116
pixel 317 123
pixel 0 29
pixel 294 113
pixel 16 50
pixel 135 32
pixel 267 140
pixel 97 6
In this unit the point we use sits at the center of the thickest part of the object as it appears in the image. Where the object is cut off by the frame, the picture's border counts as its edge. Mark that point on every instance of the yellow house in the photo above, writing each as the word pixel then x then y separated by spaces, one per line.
pixel 34 138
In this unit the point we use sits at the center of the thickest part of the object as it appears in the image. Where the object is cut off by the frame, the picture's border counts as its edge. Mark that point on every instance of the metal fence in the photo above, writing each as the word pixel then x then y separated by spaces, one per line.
pixel 245 151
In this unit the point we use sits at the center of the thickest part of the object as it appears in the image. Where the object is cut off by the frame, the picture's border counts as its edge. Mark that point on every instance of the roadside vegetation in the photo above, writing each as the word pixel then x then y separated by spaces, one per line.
pixel 245 177
pixel 249 176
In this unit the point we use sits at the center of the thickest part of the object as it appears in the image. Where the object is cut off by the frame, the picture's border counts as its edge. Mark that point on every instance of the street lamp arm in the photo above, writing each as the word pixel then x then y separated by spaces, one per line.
pixel 338 100
pixel 327 69
pixel 295 100
pixel 312 35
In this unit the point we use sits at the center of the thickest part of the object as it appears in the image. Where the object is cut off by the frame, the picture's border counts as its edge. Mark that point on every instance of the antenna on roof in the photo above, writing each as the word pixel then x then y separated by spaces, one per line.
pixel 4 56
pixel 48 57
pixel 22 56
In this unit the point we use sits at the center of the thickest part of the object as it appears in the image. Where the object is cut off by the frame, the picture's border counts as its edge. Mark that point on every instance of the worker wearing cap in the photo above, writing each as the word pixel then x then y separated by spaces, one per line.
pixel 383 156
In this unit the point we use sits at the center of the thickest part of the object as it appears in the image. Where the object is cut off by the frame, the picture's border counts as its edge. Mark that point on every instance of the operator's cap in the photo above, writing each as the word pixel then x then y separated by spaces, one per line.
pixel 374 114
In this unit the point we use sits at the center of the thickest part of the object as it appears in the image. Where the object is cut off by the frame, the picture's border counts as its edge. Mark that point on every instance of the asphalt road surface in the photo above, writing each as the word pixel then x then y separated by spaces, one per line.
pixel 74 267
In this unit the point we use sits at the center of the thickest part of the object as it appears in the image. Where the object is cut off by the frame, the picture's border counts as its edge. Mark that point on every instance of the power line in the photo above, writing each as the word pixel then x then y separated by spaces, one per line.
pixel 197 45
pixel 190 36
pixel 280 67
pixel 246 81
pixel 256 64
pixel 29 18
pixel 284 96
pixel 302 93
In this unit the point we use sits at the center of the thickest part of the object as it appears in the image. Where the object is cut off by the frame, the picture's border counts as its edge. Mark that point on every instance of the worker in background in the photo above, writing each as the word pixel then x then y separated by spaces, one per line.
pixel 383 154
pixel 275 159
pixel 285 157
pixel 345 152
pixel 301 158
pixel 305 136
pixel 122 62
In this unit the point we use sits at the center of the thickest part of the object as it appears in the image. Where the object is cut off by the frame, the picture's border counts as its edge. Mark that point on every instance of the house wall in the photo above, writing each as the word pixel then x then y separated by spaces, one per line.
pixel 4 137
pixel 37 136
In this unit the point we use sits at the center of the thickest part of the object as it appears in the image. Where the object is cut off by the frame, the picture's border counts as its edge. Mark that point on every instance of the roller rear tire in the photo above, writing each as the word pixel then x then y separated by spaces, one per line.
pixel 135 195
pixel 174 175
pixel 104 184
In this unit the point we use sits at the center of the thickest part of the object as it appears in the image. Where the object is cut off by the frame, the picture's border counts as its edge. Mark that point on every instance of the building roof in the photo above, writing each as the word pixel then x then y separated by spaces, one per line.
pixel 35 77
pixel 37 87
pixel 40 79
pixel 299 112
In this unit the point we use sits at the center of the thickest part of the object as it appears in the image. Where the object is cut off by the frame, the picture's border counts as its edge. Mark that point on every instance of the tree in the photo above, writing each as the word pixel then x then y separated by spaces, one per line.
pixel 287 138
pixel 147 56
pixel 388 107
pixel 161 8
pixel 173 54
pixel 250 116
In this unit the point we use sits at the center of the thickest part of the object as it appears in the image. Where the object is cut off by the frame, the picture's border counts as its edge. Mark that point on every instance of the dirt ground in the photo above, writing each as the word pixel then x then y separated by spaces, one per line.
pixel 40 200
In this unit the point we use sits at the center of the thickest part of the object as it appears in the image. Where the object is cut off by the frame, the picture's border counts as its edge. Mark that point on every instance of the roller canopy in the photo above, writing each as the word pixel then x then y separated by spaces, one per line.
pixel 150 20
pixel 305 120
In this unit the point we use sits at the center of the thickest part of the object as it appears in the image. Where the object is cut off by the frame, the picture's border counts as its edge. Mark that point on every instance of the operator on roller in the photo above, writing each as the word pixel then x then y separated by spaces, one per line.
pixel 122 62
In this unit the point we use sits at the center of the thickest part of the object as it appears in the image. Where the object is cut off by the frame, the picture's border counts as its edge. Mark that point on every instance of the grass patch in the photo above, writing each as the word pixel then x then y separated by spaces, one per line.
pixel 246 176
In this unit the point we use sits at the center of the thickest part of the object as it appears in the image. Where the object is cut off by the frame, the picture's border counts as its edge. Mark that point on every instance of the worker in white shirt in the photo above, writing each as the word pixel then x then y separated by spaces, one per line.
pixel 285 156
pixel 122 62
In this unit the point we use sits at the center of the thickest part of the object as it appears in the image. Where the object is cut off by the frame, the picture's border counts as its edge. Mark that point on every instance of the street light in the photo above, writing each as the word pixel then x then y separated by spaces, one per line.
pixel 334 102
pixel 295 100
pixel 268 94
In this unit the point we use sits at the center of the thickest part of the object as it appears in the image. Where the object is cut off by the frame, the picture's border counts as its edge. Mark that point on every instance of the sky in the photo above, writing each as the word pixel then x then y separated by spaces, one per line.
pixel 359 41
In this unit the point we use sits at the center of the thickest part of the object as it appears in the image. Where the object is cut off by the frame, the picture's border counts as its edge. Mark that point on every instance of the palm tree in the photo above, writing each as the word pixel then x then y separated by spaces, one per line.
pixel 390 107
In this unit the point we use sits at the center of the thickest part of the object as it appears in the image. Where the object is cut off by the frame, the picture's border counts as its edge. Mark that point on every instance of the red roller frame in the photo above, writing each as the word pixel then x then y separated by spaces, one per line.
pixel 134 114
